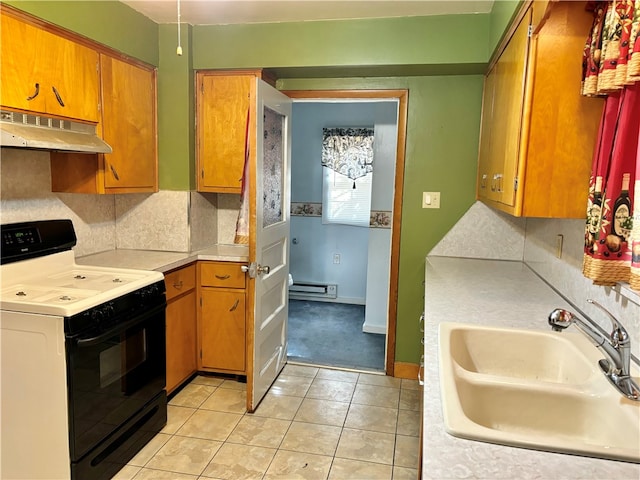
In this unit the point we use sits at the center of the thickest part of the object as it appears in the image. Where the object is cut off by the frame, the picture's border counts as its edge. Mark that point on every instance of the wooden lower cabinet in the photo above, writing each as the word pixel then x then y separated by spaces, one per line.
pixel 181 325
pixel 221 318
pixel 223 329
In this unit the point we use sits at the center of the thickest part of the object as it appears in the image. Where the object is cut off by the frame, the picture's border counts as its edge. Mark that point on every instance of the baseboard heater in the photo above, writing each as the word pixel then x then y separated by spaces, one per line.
pixel 310 290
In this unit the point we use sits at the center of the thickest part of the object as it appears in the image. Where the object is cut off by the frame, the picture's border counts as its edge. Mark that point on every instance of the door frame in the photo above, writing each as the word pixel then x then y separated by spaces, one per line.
pixel 402 96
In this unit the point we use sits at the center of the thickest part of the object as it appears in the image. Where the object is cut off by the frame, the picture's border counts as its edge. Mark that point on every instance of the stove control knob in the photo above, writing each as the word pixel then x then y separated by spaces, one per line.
pixel 97 316
pixel 101 315
pixel 109 310
pixel 149 291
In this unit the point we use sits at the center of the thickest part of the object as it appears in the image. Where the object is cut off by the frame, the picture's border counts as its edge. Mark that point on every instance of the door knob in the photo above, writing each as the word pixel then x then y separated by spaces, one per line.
pixel 266 269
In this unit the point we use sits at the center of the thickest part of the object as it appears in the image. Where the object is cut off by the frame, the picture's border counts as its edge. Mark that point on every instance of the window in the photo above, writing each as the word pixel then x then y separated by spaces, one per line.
pixel 347 167
pixel 344 204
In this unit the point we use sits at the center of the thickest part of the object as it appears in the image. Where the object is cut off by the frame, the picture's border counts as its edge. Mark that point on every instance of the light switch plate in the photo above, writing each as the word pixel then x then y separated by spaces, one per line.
pixel 430 199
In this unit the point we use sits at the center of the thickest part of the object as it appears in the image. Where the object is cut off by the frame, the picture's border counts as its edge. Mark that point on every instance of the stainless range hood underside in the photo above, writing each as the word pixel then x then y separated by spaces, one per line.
pixel 33 131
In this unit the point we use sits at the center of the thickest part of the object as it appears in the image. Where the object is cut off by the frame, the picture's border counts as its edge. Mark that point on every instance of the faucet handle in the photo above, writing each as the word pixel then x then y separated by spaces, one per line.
pixel 619 334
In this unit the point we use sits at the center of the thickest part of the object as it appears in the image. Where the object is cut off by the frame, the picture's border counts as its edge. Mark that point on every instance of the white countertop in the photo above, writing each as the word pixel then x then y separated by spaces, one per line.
pixel 164 261
pixel 502 294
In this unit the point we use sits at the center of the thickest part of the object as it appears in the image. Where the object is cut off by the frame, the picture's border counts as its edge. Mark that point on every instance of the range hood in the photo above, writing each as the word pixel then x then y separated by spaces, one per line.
pixel 23 130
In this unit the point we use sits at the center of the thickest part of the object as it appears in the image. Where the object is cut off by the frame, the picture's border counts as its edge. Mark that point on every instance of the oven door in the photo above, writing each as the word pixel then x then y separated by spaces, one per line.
pixel 112 376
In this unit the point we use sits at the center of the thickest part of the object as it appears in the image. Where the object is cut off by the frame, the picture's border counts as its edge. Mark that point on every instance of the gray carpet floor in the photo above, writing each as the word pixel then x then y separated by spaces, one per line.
pixel 330 334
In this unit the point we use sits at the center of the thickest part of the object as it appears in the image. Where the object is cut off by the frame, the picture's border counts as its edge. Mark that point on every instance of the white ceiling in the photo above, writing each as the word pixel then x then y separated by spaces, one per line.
pixel 222 12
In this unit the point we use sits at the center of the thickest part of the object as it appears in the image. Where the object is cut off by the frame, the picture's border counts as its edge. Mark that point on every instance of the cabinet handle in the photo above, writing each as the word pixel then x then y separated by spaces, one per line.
pixel 223 277
pixel 113 170
pixel 58 97
pixel 235 305
pixel 35 94
pixel 178 285
pixel 483 183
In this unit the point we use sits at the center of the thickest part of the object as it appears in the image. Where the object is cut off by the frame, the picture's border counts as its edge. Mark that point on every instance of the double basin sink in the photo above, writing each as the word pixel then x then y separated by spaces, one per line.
pixel 534 389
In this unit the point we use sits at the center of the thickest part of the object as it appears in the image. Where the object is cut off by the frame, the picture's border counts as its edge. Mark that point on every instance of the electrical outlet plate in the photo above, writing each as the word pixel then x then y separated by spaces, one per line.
pixel 559 241
pixel 430 199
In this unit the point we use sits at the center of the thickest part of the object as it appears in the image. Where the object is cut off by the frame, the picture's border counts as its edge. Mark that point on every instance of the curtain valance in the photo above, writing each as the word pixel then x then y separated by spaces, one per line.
pixel 348 151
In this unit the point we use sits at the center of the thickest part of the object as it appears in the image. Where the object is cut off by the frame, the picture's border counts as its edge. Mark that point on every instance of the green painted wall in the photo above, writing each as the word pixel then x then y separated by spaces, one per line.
pixel 499 19
pixel 111 23
pixel 176 116
pixel 441 155
pixel 439 40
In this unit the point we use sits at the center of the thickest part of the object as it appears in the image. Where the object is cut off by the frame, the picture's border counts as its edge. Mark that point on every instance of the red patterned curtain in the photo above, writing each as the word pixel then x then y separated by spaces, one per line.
pixel 612 69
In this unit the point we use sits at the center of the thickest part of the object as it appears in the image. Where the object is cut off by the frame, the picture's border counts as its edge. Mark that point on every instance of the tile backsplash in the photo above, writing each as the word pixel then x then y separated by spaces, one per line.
pixel 26 195
pixel 485 233
pixel 168 220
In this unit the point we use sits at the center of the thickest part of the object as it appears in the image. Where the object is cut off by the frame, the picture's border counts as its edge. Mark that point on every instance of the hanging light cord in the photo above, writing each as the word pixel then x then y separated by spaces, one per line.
pixel 179 49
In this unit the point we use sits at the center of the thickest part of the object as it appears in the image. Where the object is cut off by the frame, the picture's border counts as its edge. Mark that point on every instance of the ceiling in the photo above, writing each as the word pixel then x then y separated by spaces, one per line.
pixel 222 12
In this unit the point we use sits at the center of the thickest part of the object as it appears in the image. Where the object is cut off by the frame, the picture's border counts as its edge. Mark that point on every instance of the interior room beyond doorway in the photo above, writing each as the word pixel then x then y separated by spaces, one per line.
pixel 352 261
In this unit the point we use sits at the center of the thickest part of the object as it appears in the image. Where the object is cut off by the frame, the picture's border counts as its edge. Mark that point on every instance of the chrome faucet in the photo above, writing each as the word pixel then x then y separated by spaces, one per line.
pixel 617 347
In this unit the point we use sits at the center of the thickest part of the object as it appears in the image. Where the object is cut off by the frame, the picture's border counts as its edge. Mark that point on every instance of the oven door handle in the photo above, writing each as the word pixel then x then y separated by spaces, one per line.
pixel 123 327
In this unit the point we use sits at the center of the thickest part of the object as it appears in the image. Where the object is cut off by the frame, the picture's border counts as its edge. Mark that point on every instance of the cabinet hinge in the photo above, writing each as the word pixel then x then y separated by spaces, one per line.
pixel 200 301
pixel 515 184
pixel 530 32
pixel 202 173
pixel 200 354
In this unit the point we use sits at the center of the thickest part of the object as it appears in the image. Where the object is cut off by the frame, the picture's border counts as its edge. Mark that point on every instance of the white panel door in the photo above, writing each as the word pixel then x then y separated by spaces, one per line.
pixel 271 267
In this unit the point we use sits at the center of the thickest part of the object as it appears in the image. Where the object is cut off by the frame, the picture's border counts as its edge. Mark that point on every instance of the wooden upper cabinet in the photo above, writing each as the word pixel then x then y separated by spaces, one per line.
pixel 538 133
pixel 502 111
pixel 222 102
pixel 129 125
pixel 47 74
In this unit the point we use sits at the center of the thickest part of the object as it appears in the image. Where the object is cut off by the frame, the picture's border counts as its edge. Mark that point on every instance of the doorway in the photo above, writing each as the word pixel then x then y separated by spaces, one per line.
pixel 351 271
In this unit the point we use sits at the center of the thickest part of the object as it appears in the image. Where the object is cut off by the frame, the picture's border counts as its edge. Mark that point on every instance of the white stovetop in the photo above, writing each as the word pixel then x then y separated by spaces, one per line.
pixel 56 285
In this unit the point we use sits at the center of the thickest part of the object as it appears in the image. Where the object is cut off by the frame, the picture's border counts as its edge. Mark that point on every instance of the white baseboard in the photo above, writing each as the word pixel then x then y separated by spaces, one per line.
pixel 374 329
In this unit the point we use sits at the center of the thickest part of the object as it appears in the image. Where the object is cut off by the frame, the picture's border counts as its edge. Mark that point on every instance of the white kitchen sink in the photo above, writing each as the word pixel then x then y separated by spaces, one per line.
pixel 533 389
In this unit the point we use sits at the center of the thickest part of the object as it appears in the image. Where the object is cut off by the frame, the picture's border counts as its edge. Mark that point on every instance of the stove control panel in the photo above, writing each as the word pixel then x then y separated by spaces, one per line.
pixel 26 236
pixel 25 240
pixel 117 311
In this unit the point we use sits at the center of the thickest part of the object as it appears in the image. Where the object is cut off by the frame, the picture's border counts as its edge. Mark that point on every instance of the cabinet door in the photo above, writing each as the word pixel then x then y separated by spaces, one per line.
pixel 222 108
pixel 485 165
pixel 222 328
pixel 181 339
pixel 129 126
pixel 45 73
pixel 563 124
pixel 506 128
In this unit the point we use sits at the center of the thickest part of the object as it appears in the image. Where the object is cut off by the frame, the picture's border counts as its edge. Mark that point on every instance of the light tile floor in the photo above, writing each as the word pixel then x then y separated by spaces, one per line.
pixel 314 423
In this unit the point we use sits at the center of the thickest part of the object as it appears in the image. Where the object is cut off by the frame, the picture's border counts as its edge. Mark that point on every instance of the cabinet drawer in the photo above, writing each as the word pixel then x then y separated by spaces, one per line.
pixel 180 281
pixel 221 274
